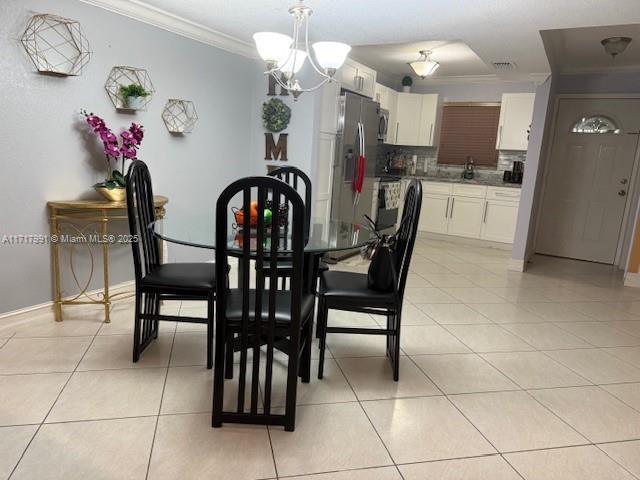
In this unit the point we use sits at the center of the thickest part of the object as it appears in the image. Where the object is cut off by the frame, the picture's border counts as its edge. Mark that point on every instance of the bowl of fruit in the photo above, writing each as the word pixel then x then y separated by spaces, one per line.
pixel 238 214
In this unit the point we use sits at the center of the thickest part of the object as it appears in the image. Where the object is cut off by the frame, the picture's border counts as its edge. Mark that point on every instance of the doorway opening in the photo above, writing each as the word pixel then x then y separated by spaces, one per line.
pixel 590 185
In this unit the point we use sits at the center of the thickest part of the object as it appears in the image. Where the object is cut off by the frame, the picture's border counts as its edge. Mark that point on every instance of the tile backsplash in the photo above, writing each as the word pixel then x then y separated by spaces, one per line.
pixel 400 158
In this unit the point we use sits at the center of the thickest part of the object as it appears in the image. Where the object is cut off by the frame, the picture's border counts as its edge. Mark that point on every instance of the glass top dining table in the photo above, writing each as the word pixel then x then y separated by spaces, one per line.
pixel 199 231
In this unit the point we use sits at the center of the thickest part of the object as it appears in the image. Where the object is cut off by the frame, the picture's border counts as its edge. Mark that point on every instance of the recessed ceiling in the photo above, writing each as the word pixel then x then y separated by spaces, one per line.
pixel 572 50
pixel 456 58
pixel 496 30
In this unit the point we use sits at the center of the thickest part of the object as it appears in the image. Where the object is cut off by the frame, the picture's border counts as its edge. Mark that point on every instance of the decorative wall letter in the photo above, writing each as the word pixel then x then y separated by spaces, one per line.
pixel 272 88
pixel 273 151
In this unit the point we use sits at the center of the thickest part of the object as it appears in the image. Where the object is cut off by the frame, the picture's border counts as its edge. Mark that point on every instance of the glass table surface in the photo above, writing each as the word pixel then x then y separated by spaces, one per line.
pixel 199 231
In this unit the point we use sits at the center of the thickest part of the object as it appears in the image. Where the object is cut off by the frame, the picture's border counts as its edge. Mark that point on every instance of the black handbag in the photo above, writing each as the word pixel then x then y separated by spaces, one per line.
pixel 381 275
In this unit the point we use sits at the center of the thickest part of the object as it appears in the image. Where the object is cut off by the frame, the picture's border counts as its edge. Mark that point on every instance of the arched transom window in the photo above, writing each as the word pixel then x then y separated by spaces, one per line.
pixel 596 124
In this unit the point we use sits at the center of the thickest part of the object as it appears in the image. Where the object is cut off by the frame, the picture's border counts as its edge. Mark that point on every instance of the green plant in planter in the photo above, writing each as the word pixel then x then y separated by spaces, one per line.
pixel 133 90
pixel 275 115
pixel 407 81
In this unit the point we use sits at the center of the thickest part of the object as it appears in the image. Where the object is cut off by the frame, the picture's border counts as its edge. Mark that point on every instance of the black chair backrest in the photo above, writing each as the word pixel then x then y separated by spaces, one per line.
pixel 295 177
pixel 406 237
pixel 141 212
pixel 261 245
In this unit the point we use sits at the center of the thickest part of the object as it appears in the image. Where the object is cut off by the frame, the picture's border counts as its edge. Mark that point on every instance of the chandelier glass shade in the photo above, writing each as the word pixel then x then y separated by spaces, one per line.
pixel 424 66
pixel 284 56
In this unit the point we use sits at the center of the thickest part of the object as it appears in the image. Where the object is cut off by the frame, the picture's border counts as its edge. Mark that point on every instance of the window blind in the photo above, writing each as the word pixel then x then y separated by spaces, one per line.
pixel 469 130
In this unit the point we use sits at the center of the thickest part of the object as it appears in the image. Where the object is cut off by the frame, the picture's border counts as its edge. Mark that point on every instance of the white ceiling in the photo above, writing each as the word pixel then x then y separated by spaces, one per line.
pixel 496 30
pixel 579 49
pixel 455 57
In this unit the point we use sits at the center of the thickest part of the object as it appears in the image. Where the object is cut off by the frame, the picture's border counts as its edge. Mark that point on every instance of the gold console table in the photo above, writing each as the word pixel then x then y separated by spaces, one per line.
pixel 95 212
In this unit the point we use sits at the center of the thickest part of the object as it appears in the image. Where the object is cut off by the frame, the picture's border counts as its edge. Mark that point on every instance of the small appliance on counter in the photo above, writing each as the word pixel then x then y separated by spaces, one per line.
pixel 468 172
pixel 515 174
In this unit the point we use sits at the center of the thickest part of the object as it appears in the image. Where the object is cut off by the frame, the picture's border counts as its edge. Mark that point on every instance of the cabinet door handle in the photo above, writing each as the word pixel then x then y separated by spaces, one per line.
pixel 431 135
pixel 446 212
pixel 484 215
pixel 397 130
pixel 453 202
pixel 499 136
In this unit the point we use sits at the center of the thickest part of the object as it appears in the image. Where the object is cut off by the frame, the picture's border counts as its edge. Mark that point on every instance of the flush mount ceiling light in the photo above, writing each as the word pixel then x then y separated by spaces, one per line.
pixel 285 56
pixel 615 45
pixel 424 66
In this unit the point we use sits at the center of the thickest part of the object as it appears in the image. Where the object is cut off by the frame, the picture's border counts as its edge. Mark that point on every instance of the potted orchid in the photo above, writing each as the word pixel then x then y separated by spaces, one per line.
pixel 125 148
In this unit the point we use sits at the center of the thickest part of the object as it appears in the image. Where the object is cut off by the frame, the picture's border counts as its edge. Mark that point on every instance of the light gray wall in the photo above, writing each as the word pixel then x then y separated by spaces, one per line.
pixel 614 82
pixel 532 182
pixel 47 154
pixel 474 92
pixel 302 128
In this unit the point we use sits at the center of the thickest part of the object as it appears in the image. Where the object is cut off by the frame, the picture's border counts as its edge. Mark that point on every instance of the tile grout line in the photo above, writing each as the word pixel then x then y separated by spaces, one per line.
pixel 368 418
pixel 164 385
pixel 53 404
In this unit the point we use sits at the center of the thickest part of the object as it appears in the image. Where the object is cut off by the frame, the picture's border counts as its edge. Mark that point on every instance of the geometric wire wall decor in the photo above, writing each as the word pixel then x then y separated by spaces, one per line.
pixel 122 76
pixel 179 116
pixel 56 45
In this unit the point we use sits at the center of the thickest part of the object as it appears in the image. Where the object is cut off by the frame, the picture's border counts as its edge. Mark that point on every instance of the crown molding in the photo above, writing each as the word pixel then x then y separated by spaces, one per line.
pixel 157 17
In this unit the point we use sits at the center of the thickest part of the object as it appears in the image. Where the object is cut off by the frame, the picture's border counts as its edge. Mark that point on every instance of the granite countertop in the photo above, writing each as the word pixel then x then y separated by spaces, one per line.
pixel 493 181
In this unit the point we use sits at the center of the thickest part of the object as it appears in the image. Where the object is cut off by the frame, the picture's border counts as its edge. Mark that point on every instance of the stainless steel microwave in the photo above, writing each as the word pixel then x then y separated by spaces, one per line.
pixel 383 124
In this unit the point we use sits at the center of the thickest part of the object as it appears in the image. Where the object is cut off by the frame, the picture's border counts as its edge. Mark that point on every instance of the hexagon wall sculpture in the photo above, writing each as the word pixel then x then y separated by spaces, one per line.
pixel 179 116
pixel 123 76
pixel 56 45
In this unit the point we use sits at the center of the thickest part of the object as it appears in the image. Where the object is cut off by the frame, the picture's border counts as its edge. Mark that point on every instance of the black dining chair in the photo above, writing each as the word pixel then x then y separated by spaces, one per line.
pixel 257 314
pixel 348 291
pixel 156 281
pixel 297 178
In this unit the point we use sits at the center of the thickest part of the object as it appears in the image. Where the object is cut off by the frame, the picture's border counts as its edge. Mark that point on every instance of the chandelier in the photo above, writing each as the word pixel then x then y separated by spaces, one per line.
pixel 284 56
pixel 424 66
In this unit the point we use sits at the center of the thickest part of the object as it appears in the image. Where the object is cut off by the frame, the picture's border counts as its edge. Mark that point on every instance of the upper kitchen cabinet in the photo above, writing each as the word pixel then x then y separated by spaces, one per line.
pixel 415 119
pixel 358 78
pixel 330 94
pixel 515 121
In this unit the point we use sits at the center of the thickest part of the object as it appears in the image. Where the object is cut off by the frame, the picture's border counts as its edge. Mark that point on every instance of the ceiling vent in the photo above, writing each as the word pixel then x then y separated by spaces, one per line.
pixel 504 66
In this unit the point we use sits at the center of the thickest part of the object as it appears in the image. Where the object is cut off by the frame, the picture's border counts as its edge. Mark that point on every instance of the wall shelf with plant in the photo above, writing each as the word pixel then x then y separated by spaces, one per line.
pixel 129 88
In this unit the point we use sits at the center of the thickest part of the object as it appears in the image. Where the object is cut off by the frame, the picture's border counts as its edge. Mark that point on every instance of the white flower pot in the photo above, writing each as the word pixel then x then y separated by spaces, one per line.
pixel 135 103
pixel 406 88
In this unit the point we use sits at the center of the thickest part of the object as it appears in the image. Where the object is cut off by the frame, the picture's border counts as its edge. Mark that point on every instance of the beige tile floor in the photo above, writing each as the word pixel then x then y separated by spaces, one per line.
pixel 504 376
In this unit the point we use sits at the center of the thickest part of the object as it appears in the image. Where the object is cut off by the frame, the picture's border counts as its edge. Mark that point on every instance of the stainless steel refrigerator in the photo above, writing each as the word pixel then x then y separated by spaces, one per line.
pixel 355 162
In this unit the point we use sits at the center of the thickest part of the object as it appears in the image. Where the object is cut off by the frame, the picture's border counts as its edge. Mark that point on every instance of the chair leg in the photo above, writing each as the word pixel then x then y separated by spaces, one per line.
pixel 228 368
pixel 389 327
pixel 210 316
pixel 396 350
pixel 323 313
pixel 306 354
pixel 136 328
pixel 156 311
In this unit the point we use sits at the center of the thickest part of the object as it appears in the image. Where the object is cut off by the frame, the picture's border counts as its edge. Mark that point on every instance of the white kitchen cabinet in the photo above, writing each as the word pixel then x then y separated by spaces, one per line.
pixel 516 112
pixel 329 107
pixel 499 220
pixel 392 106
pixel 356 77
pixel 381 95
pixel 469 210
pixel 427 133
pixel 415 119
pixel 465 217
pixel 434 214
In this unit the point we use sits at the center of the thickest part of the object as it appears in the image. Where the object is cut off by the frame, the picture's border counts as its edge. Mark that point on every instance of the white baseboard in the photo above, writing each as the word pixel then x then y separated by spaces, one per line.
pixel 632 279
pixel 47 307
pixel 476 242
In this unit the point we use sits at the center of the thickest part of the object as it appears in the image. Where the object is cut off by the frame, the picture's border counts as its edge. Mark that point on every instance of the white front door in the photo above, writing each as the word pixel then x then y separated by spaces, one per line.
pixel 588 179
